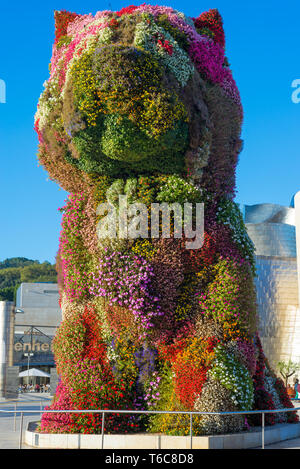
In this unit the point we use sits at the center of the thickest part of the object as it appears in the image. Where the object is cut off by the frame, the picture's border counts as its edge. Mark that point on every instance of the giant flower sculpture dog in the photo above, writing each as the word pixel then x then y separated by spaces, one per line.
pixel 142 103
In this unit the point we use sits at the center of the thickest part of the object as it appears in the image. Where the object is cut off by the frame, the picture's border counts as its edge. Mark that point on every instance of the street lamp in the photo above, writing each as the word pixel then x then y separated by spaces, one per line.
pixel 28 355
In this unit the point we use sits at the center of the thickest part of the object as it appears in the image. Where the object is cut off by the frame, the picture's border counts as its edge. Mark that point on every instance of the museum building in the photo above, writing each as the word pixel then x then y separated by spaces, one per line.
pixel 27 329
pixel 275 233
pixel 35 325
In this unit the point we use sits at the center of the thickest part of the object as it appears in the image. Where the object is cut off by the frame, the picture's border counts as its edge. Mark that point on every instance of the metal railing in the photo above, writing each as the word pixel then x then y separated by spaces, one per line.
pixel 15 403
pixel 26 401
pixel 149 412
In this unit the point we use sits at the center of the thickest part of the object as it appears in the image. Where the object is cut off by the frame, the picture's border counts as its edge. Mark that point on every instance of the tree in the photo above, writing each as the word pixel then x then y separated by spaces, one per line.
pixel 16 262
pixel 287 369
pixel 16 270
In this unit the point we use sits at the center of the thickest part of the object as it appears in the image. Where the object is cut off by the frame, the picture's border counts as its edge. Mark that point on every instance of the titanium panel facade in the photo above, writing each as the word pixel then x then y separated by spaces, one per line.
pixel 272 228
pixel 296 204
pixel 277 299
pixel 273 239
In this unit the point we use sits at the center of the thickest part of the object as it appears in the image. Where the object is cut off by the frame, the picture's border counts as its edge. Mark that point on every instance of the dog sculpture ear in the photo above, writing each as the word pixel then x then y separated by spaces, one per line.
pixel 211 22
pixel 62 20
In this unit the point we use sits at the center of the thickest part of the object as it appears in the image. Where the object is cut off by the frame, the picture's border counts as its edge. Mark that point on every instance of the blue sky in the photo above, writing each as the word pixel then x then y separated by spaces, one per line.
pixel 262 40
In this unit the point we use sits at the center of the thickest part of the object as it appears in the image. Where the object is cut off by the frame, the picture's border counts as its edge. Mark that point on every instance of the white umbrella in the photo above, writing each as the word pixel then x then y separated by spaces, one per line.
pixel 33 372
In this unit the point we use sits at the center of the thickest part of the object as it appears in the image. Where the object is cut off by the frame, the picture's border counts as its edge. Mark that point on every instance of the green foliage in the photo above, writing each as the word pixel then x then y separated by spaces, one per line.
pixel 131 118
pixel 178 35
pixel 206 32
pixel 230 299
pixel 44 272
pixel 174 188
pixel 147 36
pixel 287 369
pixel 10 277
pixel 92 159
pixel 17 270
pixel 8 293
pixel 119 187
pixel 63 41
pixel 233 376
pixel 92 145
pixel 16 262
pixel 230 215
pixel 123 140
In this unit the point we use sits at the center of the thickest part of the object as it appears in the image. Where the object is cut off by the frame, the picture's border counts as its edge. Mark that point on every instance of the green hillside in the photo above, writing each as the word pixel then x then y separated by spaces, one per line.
pixel 16 270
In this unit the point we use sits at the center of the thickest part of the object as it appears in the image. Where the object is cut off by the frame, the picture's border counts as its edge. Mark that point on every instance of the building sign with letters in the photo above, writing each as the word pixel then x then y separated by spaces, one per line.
pixel 35 343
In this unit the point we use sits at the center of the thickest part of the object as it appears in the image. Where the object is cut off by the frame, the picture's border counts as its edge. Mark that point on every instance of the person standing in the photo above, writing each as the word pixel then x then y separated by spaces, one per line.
pixel 296 388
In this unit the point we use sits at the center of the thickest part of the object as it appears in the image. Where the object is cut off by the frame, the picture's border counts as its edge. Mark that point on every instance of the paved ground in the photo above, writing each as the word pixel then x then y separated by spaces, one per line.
pixel 10 426
pixel 289 444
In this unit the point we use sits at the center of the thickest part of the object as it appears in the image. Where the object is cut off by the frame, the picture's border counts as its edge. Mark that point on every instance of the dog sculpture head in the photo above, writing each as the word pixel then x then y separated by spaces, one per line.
pixel 142 91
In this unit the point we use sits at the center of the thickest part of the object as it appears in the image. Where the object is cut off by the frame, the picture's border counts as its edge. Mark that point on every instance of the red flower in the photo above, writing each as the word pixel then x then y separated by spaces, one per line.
pixel 213 21
pixel 165 45
pixel 113 23
pixel 62 20
pixel 127 10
